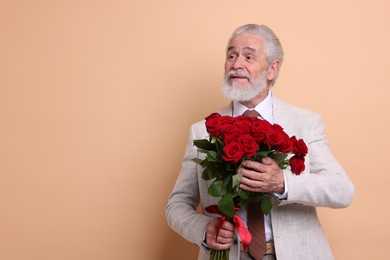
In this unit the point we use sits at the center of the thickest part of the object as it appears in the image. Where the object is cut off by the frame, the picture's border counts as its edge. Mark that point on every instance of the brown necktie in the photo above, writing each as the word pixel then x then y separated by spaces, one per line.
pixel 257 246
pixel 251 113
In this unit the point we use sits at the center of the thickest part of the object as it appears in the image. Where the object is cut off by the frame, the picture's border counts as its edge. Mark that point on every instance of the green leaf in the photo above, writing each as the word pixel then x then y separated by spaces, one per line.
pixel 279 158
pixel 205 144
pixel 237 179
pixel 262 153
pixel 205 163
pixel 212 156
pixel 266 205
pixel 216 189
pixel 243 194
pixel 226 205
pixel 226 178
pixel 220 145
pixel 198 161
pixel 208 174
pixel 213 169
pixel 255 197
pixel 283 164
pixel 231 167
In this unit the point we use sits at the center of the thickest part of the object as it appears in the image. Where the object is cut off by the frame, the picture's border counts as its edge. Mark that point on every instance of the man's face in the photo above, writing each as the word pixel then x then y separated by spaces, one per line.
pixel 245 54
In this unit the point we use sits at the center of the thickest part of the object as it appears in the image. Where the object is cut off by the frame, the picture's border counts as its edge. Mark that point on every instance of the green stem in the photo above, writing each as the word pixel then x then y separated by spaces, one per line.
pixel 219 254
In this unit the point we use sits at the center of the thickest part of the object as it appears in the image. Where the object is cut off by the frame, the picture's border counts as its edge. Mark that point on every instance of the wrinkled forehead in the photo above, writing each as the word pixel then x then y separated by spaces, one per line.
pixel 245 41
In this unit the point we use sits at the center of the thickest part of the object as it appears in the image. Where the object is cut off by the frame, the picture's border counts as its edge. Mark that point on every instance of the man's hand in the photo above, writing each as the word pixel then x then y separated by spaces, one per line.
pixel 225 236
pixel 264 176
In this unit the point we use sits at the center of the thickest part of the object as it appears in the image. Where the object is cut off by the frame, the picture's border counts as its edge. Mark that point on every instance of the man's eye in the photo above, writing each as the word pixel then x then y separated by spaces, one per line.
pixel 232 57
pixel 249 58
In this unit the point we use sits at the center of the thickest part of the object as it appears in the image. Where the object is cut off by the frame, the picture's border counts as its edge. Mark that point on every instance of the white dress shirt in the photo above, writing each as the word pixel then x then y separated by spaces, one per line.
pixel 265 111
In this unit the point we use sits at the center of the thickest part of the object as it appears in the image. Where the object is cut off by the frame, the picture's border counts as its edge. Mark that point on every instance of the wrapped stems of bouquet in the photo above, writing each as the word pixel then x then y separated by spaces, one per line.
pixel 239 225
pixel 220 254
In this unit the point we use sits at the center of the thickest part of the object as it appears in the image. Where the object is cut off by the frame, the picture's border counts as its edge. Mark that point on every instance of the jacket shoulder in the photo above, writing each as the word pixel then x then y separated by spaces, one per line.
pixel 283 108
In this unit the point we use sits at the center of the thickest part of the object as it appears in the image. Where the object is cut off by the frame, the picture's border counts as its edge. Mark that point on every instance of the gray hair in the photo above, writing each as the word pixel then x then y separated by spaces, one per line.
pixel 273 48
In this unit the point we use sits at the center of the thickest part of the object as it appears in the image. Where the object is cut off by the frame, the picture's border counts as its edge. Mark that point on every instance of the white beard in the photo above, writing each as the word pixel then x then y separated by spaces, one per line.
pixel 247 93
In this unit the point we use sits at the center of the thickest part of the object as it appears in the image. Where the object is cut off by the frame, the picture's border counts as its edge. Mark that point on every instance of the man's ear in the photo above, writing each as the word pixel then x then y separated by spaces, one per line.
pixel 273 70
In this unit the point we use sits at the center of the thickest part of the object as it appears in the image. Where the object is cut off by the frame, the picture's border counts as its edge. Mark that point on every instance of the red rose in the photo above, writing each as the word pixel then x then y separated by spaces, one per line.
pixel 274 137
pixel 213 126
pixel 213 115
pixel 259 125
pixel 244 124
pixel 249 145
pixel 233 152
pixel 259 137
pixel 297 164
pixel 277 127
pixel 299 147
pixel 229 131
pixel 259 128
pixel 285 146
pixel 231 138
pixel 227 120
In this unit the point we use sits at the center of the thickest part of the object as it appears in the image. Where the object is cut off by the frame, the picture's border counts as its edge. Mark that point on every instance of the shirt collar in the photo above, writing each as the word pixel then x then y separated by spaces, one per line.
pixel 264 108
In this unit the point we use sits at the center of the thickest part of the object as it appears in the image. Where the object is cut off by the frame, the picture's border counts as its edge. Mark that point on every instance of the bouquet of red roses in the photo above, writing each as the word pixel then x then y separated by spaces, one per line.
pixel 232 140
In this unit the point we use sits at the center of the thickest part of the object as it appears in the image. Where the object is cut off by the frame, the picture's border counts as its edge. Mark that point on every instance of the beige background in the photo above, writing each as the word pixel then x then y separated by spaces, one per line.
pixel 96 99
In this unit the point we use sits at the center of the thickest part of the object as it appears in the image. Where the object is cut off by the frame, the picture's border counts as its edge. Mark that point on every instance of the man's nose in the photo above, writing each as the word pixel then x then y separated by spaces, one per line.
pixel 238 63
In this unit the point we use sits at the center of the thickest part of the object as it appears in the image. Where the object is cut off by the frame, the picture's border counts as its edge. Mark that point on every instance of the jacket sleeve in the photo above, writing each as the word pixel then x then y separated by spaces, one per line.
pixel 324 182
pixel 181 211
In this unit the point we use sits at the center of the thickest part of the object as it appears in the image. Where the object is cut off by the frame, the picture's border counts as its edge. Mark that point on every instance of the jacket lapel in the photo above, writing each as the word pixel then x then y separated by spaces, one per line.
pixel 282 115
pixel 227 111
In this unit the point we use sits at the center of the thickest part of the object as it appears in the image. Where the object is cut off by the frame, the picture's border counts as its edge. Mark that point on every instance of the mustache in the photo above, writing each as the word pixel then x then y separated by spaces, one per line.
pixel 237 73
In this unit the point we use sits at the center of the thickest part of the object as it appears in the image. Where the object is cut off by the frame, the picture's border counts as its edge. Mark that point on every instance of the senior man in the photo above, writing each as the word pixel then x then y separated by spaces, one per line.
pixel 254 56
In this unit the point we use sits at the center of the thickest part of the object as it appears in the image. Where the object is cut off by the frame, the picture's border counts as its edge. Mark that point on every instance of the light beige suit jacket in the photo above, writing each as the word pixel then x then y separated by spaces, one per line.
pixel 296 228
